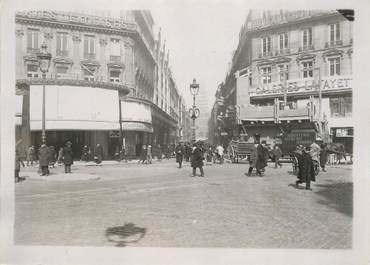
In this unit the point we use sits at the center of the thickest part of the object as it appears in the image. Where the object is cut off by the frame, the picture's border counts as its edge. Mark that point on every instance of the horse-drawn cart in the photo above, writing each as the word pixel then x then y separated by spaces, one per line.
pixel 240 150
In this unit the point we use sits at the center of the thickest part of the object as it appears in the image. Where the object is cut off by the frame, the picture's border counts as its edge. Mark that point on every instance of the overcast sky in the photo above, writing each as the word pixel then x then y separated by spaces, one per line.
pixel 201 40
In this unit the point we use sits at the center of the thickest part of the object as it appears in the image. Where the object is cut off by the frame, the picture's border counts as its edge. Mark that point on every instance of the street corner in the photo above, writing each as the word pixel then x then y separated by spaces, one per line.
pixel 62 176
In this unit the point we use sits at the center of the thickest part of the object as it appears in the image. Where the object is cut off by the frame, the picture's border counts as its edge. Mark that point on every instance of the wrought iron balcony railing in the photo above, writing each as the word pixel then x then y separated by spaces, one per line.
pixel 333 43
pixel 306 48
pixel 33 50
pixel 63 53
pixel 265 54
pixel 282 52
pixel 115 58
pixel 90 56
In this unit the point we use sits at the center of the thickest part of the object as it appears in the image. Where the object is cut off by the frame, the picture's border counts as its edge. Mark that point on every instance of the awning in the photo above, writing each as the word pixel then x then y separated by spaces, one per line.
pixel 137 126
pixel 74 108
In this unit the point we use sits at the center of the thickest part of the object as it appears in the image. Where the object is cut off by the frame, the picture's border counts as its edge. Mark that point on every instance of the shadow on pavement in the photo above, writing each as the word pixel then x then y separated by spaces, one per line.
pixel 125 234
pixel 338 196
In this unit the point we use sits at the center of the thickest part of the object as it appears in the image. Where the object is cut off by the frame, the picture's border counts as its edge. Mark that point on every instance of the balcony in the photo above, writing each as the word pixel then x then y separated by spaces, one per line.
pixel 33 50
pixel 62 53
pixel 265 54
pixel 335 43
pixel 306 48
pixel 115 58
pixel 90 56
pixel 282 52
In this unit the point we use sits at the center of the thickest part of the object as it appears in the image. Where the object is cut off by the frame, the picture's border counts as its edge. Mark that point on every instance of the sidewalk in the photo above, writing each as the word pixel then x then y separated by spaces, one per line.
pixel 59 176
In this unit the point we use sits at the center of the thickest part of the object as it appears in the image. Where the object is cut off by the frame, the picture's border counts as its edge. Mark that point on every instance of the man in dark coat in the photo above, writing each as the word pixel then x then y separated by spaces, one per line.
pixel 306 172
pixel 17 166
pixel 323 156
pixel 44 160
pixel 197 160
pixel 254 162
pixel 98 154
pixel 179 154
pixel 52 157
pixel 68 157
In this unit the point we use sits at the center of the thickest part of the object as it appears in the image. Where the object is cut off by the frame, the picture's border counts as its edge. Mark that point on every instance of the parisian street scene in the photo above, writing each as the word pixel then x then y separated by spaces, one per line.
pixel 142 128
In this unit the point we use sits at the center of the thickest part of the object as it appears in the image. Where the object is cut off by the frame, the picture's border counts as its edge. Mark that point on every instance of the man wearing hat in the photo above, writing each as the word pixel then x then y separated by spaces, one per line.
pixel 68 157
pixel 197 159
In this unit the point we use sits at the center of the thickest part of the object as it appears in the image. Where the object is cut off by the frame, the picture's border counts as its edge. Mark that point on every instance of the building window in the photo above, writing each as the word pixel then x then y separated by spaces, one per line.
pixel 32 40
pixel 89 74
pixel 266 45
pixel 334 66
pixel 283 41
pixel 266 74
pixel 307 69
pixel 32 71
pixel 115 76
pixel 341 107
pixel 334 33
pixel 115 49
pixel 89 47
pixel 283 70
pixel 62 44
pixel 307 38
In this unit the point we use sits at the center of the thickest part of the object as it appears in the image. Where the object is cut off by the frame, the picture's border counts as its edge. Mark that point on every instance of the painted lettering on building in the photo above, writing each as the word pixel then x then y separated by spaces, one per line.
pixel 303 86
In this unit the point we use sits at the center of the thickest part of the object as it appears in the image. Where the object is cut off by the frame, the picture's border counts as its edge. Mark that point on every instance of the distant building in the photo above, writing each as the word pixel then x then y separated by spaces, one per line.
pixel 201 123
pixel 94 56
pixel 299 58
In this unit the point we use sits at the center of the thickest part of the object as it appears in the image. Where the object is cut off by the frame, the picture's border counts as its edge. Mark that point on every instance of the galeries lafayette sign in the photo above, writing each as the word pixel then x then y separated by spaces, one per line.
pixel 303 86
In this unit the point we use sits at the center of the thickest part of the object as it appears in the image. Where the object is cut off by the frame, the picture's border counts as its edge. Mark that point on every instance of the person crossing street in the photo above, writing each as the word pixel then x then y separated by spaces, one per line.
pixel 197 160
pixel 179 154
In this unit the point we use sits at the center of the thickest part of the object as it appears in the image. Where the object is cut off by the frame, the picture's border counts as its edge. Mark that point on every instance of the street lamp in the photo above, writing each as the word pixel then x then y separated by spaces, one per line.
pixel 194 111
pixel 43 58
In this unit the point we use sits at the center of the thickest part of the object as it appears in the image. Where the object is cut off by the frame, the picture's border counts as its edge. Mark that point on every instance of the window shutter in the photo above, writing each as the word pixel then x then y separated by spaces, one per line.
pixel 337 31
pixel 36 39
pixel 58 42
pixel 86 45
pixel 29 39
pixel 65 38
pixel 92 46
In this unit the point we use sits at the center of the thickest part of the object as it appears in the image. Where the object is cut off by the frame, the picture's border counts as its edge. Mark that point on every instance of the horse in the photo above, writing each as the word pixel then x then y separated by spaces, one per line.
pixel 338 150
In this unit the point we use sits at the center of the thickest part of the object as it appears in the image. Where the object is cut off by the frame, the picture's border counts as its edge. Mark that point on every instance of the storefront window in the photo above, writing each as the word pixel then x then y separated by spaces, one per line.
pixel 341 107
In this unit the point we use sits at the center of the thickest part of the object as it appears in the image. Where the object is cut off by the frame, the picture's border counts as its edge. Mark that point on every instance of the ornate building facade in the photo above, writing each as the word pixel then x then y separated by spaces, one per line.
pixel 295 57
pixel 98 60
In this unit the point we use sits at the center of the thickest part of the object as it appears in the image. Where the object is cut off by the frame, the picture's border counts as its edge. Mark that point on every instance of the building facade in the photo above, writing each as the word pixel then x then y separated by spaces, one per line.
pixel 298 58
pixel 99 60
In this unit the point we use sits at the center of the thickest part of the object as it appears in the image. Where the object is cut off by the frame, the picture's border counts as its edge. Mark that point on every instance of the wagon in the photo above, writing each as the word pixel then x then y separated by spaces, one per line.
pixel 239 150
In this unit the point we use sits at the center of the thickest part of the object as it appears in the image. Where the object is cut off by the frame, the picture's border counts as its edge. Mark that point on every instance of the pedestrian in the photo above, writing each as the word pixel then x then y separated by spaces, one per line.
pixel 220 153
pixel 197 159
pixel 31 155
pixel 85 153
pixel 210 155
pixel 314 151
pixel 52 157
pixel 277 155
pixel 17 166
pixel 179 150
pixel 123 154
pixel 143 155
pixel 306 172
pixel 149 154
pixel 264 156
pixel 60 156
pixel 44 160
pixel 255 162
pixel 67 157
pixel 98 154
pixel 324 152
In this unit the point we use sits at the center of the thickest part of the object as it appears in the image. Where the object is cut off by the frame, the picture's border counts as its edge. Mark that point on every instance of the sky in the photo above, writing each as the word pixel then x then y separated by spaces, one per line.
pixel 201 40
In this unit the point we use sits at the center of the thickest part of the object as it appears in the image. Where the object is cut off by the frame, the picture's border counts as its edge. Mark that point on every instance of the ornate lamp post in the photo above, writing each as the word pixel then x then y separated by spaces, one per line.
pixel 43 58
pixel 194 111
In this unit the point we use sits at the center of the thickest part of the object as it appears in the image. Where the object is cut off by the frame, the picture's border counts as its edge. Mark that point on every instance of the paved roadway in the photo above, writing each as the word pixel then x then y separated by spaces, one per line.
pixel 160 205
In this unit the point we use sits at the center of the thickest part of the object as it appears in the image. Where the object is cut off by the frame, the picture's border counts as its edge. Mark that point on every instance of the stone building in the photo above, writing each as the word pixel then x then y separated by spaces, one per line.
pixel 98 60
pixel 298 58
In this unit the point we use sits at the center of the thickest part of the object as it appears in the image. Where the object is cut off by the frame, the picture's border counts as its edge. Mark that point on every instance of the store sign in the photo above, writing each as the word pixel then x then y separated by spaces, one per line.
pixel 303 86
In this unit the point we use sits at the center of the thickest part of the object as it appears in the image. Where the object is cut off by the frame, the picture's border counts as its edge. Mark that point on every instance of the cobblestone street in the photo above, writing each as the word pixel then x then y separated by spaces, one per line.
pixel 160 205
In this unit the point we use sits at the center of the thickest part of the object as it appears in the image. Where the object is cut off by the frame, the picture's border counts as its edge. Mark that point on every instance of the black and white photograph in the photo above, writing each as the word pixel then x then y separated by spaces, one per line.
pixel 185 127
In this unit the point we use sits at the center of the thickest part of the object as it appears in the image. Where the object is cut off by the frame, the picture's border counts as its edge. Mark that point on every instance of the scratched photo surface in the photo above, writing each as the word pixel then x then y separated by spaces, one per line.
pixel 146 128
